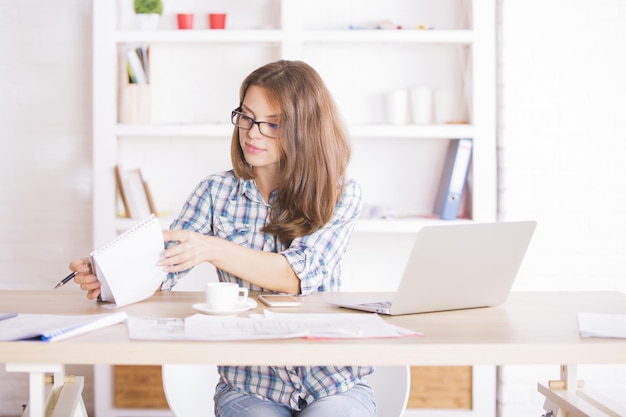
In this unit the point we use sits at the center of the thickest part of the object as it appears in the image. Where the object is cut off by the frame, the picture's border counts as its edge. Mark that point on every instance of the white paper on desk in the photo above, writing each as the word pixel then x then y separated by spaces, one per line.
pixel 208 328
pixel 156 328
pixel 602 325
pixel 268 326
pixel 203 327
pixel 325 325
pixel 272 325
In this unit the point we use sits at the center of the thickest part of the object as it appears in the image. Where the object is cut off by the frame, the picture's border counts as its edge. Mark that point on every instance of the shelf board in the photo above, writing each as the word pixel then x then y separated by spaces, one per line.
pixel 124 223
pixel 373 35
pixel 184 130
pixel 445 131
pixel 408 225
pixel 357 131
pixel 277 35
pixel 207 35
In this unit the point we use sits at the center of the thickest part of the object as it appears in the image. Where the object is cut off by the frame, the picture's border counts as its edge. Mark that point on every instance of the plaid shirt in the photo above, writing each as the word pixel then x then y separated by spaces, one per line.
pixel 231 208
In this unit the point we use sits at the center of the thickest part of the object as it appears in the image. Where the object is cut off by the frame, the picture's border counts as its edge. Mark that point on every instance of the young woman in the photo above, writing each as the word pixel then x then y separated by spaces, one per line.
pixel 279 221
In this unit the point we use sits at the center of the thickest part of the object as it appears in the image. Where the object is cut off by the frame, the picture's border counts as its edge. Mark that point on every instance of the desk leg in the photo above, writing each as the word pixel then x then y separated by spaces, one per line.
pixel 567 397
pixel 51 397
pixel 569 375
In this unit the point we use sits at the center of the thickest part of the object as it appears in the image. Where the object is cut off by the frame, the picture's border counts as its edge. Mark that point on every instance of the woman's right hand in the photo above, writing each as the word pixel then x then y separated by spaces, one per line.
pixel 85 277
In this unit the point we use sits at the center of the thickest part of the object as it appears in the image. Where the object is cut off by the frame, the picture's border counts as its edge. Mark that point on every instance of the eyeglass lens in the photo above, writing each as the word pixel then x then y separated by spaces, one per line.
pixel 245 122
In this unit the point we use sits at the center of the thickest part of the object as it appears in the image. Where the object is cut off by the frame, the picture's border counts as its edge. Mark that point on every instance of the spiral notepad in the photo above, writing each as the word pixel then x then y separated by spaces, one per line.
pixel 51 327
pixel 127 265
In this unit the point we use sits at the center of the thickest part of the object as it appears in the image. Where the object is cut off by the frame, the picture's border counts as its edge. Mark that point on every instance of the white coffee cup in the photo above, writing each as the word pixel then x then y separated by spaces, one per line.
pixel 224 296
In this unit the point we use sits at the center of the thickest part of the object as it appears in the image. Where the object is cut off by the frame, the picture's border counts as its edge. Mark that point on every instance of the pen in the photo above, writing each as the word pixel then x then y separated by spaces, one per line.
pixel 66 280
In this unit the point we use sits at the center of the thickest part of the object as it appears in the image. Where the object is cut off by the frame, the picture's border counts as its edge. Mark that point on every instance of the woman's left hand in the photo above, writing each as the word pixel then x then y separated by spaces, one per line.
pixel 191 249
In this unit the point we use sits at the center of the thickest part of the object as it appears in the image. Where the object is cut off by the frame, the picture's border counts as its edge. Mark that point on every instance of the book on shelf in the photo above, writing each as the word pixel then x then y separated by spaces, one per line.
pixel 134 192
pixel 144 56
pixel 134 96
pixel 121 190
pixel 135 67
pixel 449 199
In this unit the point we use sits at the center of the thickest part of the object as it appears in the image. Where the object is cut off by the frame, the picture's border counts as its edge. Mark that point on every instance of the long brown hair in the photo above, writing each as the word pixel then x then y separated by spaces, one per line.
pixel 314 144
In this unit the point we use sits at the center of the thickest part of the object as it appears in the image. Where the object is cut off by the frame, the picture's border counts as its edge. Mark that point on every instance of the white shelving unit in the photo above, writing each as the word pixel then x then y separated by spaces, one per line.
pixel 195 80
pixel 297 38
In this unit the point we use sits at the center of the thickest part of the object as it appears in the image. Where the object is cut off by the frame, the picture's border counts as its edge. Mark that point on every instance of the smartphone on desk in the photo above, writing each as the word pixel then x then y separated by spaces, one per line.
pixel 279 300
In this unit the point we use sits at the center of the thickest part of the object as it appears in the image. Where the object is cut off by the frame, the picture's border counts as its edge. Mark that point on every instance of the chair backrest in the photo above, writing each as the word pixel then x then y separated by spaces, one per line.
pixel 189 389
pixel 391 386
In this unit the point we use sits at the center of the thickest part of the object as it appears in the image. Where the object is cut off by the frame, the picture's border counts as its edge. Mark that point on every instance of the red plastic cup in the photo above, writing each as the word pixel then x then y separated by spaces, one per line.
pixel 185 20
pixel 217 20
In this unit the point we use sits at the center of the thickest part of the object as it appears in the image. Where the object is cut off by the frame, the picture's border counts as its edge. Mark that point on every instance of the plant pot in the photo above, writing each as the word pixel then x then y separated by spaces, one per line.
pixel 217 20
pixel 148 21
pixel 185 20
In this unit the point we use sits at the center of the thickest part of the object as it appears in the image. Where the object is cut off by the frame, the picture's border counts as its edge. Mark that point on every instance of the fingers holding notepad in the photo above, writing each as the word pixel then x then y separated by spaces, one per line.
pixel 124 270
pixel 86 278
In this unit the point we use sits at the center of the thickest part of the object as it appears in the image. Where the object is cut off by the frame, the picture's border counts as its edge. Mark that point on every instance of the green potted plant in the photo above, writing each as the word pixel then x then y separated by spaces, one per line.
pixel 148 13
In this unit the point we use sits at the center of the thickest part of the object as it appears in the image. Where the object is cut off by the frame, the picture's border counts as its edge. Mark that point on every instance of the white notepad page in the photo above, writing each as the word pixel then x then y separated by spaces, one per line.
pixel 127 265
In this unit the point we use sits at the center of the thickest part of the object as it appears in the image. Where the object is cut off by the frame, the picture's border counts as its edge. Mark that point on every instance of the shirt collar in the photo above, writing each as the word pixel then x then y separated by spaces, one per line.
pixel 248 188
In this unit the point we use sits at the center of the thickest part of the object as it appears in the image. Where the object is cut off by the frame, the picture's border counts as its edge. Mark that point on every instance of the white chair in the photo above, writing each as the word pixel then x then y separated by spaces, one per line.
pixel 391 386
pixel 189 389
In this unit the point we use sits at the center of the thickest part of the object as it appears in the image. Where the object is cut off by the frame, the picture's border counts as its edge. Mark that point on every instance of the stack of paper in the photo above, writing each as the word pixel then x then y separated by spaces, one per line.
pixel 267 326
pixel 602 325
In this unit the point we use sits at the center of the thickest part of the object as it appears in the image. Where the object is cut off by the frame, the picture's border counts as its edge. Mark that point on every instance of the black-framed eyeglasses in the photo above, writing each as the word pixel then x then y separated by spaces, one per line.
pixel 245 122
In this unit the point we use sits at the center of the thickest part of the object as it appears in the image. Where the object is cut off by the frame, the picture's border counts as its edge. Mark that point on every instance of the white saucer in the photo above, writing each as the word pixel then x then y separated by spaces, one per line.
pixel 239 308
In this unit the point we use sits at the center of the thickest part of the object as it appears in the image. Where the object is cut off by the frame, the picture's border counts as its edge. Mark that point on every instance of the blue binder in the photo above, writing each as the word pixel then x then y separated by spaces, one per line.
pixel 453 178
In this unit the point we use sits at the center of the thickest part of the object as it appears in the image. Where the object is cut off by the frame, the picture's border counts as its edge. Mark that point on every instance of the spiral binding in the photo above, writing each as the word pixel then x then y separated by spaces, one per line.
pixel 151 218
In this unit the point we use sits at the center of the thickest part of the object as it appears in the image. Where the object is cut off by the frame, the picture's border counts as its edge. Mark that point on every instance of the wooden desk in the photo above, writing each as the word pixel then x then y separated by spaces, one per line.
pixel 530 328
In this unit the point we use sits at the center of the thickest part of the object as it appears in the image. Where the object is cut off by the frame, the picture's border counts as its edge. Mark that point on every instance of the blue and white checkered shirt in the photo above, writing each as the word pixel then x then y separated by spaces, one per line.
pixel 231 208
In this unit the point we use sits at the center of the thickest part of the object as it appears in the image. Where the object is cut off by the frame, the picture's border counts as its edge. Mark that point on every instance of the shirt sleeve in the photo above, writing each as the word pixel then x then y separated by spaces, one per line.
pixel 195 215
pixel 316 258
pixel 197 212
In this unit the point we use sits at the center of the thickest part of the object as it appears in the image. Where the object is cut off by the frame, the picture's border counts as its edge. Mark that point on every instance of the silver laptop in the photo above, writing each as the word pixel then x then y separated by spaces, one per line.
pixel 455 267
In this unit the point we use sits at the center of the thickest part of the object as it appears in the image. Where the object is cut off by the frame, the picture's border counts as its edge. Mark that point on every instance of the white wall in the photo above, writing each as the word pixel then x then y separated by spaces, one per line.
pixel 562 95
pixel 562 101
pixel 45 163
pixel 45 156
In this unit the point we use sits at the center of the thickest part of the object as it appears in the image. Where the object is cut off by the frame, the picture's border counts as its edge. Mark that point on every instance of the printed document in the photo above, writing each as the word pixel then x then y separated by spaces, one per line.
pixel 269 325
